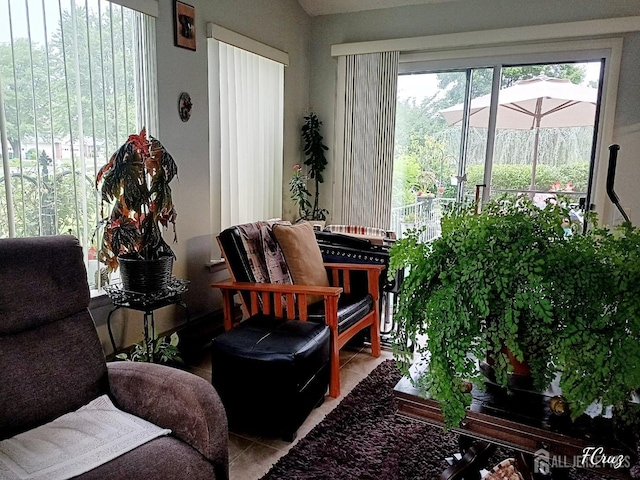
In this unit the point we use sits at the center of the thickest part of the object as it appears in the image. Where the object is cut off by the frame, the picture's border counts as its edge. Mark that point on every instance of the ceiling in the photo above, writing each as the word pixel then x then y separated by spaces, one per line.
pixel 328 7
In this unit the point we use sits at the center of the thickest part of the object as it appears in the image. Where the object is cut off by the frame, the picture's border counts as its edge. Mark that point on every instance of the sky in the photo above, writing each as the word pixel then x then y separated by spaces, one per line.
pixel 421 86
pixel 38 10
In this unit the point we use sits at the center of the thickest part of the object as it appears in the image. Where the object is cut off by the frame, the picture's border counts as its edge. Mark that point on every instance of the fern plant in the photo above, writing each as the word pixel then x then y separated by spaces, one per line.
pixel 509 280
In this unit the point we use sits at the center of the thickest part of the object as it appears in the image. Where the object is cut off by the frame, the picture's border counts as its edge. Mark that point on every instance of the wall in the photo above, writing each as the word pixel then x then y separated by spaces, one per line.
pixel 452 17
pixel 281 24
pixel 310 82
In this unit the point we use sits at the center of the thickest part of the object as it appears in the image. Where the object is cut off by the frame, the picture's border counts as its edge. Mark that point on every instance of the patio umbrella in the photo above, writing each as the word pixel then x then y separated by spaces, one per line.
pixel 540 102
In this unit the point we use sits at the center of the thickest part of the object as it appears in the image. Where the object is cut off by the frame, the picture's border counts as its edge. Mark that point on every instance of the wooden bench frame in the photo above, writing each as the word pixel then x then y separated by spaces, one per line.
pixel 291 301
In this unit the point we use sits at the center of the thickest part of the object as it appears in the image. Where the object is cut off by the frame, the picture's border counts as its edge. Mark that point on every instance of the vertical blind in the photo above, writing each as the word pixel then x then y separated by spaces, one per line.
pixel 251 136
pixel 76 78
pixel 369 128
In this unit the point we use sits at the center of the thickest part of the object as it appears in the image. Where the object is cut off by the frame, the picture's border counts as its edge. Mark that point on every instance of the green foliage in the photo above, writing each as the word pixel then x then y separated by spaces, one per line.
pixel 299 193
pixel 37 214
pixel 598 310
pixel 511 75
pixel 164 350
pixel 316 161
pixel 519 176
pixel 26 205
pixel 406 171
pixel 422 134
pixel 48 198
pixel 509 277
pixel 423 169
pixel 51 73
pixel 135 182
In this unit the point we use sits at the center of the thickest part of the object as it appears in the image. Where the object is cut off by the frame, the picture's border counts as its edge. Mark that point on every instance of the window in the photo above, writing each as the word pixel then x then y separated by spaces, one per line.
pixel 543 138
pixel 468 52
pixel 76 78
pixel 479 128
pixel 247 111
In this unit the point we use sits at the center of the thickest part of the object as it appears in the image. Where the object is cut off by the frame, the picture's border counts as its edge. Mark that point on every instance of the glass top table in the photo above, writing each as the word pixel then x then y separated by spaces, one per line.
pixel 523 420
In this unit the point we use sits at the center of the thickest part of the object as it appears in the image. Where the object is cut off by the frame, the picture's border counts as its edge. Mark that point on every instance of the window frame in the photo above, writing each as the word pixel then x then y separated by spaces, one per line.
pixel 143 59
pixel 485 46
pixel 606 51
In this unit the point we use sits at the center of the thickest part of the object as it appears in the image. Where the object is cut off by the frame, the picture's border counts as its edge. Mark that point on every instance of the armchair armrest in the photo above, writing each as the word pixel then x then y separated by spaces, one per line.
pixel 373 276
pixel 370 267
pixel 175 399
pixel 278 287
pixel 281 300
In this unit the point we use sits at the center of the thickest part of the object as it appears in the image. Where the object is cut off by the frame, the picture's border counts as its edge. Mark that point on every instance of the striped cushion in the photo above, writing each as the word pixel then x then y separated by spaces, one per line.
pixel 356 229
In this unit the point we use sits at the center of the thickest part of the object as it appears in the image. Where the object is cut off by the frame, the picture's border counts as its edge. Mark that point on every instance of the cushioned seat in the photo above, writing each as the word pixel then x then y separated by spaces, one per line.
pixel 278 270
pixel 351 308
pixel 52 363
pixel 270 373
pixel 164 457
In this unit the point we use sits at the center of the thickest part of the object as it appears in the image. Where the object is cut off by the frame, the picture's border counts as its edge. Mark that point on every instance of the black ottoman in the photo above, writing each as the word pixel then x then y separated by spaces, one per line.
pixel 270 373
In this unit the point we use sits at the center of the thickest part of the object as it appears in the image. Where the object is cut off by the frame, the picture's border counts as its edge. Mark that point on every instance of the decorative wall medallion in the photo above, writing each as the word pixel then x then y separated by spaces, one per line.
pixel 184 106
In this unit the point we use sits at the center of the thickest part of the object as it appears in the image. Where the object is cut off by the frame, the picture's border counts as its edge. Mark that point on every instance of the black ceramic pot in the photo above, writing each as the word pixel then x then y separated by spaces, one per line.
pixel 145 276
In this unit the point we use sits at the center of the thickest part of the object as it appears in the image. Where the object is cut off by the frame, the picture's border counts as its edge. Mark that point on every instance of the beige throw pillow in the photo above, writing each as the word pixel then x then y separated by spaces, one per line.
pixel 302 254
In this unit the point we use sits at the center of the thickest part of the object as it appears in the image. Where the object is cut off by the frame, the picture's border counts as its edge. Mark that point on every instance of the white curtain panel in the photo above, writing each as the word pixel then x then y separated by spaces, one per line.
pixel 251 124
pixel 146 74
pixel 370 116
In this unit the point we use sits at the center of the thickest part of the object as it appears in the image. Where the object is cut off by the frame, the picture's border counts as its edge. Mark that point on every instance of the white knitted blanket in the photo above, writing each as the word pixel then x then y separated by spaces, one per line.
pixel 74 443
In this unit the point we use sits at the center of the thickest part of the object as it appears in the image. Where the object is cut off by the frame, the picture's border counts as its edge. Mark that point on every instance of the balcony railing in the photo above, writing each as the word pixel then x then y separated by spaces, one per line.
pixel 425 214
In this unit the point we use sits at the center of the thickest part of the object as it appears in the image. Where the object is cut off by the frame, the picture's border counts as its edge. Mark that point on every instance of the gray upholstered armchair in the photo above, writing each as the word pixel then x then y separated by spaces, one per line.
pixel 52 363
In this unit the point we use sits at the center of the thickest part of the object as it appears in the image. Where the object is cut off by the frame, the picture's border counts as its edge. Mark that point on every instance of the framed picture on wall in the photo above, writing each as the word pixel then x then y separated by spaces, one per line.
pixel 185 26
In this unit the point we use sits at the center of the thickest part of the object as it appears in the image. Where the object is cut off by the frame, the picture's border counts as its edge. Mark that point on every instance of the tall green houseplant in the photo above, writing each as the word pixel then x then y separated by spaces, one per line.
pixel 509 283
pixel 315 161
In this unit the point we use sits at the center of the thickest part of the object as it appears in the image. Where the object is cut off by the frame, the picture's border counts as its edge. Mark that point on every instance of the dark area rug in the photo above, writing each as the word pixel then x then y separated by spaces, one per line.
pixel 363 438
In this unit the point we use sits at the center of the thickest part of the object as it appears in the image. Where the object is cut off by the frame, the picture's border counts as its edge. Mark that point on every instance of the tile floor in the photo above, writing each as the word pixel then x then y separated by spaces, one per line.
pixel 250 457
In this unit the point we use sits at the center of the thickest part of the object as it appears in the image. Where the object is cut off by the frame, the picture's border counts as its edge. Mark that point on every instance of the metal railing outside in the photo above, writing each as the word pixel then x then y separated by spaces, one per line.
pixel 424 213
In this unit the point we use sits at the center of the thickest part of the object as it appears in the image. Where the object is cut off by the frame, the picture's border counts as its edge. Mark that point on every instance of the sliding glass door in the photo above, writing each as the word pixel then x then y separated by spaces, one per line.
pixel 476 133
pixel 433 153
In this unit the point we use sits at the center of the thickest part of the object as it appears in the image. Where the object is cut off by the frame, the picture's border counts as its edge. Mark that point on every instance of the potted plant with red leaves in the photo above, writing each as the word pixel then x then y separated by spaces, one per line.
pixel 135 184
